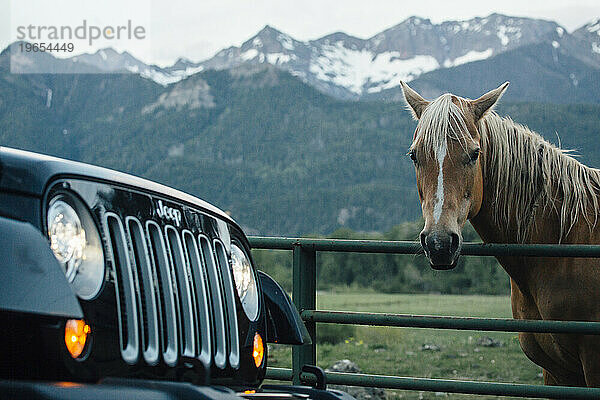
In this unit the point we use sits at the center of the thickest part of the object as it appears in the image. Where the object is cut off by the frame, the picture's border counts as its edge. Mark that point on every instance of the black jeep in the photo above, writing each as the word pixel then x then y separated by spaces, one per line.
pixel 115 286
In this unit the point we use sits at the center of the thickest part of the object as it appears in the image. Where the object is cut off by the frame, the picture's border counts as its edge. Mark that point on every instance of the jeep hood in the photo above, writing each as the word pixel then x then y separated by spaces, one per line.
pixel 27 172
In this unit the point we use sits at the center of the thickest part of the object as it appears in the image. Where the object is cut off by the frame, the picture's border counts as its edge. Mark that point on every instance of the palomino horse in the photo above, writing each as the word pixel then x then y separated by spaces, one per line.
pixel 514 187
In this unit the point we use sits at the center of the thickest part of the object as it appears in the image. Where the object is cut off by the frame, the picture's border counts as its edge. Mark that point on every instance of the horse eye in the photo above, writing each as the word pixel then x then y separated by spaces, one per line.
pixel 413 156
pixel 474 156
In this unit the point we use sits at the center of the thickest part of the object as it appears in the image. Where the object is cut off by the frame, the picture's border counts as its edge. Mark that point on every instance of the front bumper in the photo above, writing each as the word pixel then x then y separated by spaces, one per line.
pixel 125 389
pixel 32 280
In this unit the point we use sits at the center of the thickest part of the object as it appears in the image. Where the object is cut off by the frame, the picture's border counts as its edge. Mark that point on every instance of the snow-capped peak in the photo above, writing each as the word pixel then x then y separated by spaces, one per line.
pixel 594 26
pixel 350 67
pixel 417 21
pixel 589 34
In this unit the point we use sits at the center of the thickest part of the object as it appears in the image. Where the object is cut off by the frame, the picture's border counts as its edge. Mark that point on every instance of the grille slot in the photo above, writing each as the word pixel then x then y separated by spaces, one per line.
pixel 125 286
pixel 168 294
pixel 186 292
pixel 218 308
pixel 234 351
pixel 149 310
pixel 202 300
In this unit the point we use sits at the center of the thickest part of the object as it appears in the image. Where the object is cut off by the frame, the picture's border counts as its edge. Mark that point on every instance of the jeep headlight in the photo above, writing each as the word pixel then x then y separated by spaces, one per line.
pixel 245 281
pixel 75 242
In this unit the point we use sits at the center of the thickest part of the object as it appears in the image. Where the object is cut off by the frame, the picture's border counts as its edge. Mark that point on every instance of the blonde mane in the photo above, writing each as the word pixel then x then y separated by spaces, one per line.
pixel 523 170
pixel 529 172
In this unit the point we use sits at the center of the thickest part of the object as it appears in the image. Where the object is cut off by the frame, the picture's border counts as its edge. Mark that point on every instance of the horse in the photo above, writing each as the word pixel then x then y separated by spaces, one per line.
pixel 514 187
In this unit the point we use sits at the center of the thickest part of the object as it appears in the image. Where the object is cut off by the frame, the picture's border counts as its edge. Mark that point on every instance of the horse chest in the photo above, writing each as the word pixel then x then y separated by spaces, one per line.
pixel 556 353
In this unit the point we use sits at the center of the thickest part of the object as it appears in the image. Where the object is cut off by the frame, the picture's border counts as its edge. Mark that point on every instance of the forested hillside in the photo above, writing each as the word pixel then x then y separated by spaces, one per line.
pixel 284 158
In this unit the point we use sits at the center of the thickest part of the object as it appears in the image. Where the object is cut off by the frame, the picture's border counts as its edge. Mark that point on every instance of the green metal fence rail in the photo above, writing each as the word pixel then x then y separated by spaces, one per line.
pixel 456 323
pixel 304 296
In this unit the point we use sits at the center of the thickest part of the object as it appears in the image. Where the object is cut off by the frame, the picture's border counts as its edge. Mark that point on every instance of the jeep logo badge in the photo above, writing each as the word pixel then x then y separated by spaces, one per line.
pixel 168 213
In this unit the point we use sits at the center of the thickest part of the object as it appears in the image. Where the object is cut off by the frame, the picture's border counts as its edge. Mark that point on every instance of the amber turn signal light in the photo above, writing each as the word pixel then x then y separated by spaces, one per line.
pixel 76 333
pixel 259 350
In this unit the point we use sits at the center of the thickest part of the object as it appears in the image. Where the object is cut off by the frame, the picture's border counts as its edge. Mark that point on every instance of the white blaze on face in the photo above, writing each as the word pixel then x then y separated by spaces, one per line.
pixel 439 194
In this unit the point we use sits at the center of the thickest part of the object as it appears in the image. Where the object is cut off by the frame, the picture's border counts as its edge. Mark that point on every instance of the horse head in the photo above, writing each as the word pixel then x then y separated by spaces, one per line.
pixel 446 151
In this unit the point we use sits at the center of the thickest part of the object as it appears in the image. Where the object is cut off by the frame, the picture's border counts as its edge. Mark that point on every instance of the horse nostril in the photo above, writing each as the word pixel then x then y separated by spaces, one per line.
pixel 455 243
pixel 423 242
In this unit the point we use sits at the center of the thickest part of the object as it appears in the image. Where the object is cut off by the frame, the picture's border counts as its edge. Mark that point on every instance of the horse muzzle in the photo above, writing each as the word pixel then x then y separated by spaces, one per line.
pixel 441 248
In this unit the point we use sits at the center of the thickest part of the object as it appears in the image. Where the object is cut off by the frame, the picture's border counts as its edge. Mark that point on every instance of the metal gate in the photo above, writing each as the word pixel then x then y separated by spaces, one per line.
pixel 304 297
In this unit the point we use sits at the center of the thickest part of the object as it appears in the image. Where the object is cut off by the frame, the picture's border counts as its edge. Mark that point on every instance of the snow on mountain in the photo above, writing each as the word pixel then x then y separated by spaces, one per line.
pixel 591 32
pixel 164 77
pixel 110 60
pixel 348 67
pixel 471 56
pixel 584 43
pixel 354 69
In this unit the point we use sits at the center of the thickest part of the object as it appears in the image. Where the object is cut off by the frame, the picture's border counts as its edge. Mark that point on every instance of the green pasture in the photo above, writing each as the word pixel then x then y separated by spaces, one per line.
pixel 419 352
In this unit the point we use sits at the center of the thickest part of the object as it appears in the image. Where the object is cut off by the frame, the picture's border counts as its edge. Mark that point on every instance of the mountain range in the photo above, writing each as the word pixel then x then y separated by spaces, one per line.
pixel 288 153
pixel 549 63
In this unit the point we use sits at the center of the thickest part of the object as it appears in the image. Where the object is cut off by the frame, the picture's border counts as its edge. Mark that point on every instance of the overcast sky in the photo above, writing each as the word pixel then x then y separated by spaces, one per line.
pixel 198 29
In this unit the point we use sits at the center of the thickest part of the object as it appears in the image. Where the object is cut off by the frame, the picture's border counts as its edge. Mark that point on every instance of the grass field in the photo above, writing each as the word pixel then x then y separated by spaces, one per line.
pixel 400 351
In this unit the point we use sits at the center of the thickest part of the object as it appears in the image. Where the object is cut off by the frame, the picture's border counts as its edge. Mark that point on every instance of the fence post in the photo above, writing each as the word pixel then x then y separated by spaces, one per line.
pixel 304 295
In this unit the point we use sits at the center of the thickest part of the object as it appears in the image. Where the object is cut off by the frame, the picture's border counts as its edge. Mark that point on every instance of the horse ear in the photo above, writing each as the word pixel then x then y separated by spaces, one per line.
pixel 414 100
pixel 487 101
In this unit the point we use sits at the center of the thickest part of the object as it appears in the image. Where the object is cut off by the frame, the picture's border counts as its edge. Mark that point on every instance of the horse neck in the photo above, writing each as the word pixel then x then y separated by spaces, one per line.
pixel 562 207
pixel 547 229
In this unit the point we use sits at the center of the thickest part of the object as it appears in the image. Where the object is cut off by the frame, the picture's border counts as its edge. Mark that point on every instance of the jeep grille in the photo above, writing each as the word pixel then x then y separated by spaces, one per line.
pixel 174 293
